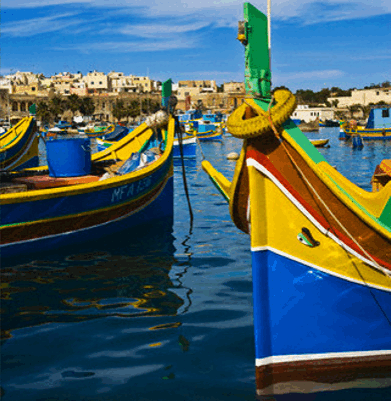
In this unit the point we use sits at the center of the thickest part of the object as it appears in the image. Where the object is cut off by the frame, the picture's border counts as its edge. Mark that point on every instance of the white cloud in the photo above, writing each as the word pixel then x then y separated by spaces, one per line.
pixel 158 30
pixel 130 47
pixel 227 12
pixel 36 26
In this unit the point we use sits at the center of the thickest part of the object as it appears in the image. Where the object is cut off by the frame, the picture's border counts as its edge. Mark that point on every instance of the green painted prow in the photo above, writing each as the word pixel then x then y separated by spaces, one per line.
pixel 253 33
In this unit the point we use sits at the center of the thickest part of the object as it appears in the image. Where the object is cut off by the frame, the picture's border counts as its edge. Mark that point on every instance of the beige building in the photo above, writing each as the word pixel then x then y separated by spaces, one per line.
pixel 194 88
pixel 144 84
pixel 363 97
pixel 121 83
pixel 234 87
pixel 98 82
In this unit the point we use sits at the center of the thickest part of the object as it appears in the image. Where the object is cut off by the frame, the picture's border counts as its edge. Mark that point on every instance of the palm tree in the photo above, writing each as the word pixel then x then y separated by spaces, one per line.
pixel 87 106
pixel 57 105
pixel 73 104
pixel 44 113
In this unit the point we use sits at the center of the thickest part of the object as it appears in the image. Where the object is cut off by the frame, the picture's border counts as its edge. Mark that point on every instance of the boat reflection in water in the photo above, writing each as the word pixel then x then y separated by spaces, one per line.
pixel 100 280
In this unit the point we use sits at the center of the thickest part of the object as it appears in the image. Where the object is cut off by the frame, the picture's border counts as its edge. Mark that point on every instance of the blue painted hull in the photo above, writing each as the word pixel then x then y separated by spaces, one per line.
pixel 161 207
pixel 189 151
pixel 299 310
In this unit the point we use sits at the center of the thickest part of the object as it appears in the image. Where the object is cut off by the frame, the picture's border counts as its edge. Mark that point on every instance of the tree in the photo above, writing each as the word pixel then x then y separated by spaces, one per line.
pixel 57 106
pixel 73 103
pixel 44 113
pixel 87 106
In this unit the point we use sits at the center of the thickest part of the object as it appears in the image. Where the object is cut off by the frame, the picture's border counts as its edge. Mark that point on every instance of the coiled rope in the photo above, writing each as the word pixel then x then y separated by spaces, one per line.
pixel 256 126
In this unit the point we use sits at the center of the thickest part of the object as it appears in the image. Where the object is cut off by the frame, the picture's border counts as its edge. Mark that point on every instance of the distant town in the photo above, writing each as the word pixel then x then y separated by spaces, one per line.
pixel 109 92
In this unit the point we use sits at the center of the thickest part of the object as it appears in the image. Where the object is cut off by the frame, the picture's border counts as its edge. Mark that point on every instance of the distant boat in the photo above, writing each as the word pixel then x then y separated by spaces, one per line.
pixel 320 247
pixel 319 143
pixel 189 147
pixel 19 146
pixel 378 126
pixel 381 176
pixel 206 131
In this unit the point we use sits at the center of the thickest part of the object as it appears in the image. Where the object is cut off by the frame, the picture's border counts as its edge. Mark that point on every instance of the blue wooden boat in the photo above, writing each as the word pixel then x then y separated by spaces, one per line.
pixel 206 131
pixel 129 184
pixel 108 139
pixel 189 147
pixel 19 146
pixel 320 246
pixel 378 126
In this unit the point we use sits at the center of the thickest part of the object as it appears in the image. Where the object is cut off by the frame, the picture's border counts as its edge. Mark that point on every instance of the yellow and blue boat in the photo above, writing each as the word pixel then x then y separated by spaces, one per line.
pixel 378 126
pixel 320 245
pixel 128 185
pixel 19 146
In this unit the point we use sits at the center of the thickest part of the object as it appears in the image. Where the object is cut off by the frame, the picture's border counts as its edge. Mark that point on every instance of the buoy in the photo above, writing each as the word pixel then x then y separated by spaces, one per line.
pixel 233 156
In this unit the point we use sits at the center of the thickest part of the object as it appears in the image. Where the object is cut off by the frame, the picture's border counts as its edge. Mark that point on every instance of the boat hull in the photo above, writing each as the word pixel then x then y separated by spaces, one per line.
pixel 189 147
pixel 315 331
pixel 111 214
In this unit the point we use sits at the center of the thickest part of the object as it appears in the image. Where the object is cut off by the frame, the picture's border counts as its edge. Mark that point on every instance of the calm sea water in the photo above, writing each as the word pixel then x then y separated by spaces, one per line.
pixel 166 317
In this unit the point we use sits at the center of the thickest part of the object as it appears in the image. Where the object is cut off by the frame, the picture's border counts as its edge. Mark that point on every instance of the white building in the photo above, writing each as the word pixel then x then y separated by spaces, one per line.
pixel 363 97
pixel 307 114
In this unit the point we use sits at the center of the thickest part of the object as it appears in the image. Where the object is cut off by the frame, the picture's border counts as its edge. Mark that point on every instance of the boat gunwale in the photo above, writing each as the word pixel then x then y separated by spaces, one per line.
pixel 116 181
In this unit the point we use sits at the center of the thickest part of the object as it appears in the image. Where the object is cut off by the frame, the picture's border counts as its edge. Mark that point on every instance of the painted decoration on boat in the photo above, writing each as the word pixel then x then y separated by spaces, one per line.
pixel 320 245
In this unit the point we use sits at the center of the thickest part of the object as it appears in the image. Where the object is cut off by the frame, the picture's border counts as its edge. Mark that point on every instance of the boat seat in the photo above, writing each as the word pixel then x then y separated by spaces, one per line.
pixel 45 181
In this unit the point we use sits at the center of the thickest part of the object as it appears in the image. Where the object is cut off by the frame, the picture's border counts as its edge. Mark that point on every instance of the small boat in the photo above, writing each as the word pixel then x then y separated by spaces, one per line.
pixel 116 190
pixel 100 131
pixel 320 246
pixel 189 147
pixel 382 175
pixel 19 146
pixel 319 143
pixel 206 131
pixel 378 126
pixel 109 138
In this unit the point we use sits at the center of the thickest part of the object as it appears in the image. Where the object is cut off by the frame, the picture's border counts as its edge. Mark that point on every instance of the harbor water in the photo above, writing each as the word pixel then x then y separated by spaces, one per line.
pixel 165 314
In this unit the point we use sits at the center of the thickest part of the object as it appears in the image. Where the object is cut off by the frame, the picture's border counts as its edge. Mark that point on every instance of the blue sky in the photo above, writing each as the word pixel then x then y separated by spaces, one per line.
pixel 315 44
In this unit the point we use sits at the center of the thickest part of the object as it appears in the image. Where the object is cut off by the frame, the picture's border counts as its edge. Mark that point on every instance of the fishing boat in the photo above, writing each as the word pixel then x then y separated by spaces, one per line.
pixel 378 126
pixel 320 245
pixel 109 138
pixel 382 175
pixel 189 147
pixel 100 131
pixel 206 131
pixel 320 143
pixel 19 146
pixel 124 186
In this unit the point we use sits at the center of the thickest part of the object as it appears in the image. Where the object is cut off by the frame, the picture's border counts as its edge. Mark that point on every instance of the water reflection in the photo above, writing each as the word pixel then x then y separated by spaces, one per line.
pixel 119 278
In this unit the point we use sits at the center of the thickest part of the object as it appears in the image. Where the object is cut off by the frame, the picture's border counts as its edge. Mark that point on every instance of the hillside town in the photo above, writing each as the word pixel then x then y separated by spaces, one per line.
pixel 20 90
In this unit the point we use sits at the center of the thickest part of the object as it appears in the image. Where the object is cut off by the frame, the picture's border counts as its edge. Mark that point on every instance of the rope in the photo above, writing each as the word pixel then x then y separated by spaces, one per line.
pixel 180 141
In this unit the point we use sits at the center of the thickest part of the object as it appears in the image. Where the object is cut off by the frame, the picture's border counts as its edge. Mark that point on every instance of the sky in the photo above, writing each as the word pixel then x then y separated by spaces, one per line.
pixel 314 44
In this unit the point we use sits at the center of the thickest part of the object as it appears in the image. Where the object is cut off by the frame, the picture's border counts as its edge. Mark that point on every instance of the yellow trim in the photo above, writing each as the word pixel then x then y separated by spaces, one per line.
pixel 89 212
pixel 15 134
pixel 276 222
pixel 123 148
pixel 330 177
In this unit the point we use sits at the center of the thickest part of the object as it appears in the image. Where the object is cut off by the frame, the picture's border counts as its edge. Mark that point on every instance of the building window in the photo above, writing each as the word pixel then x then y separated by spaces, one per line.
pixel 100 82
pixel 377 93
pixel 385 113
pixel 92 82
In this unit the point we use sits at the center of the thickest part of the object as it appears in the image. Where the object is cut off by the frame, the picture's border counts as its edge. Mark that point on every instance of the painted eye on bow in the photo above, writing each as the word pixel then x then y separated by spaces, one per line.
pixel 306 238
